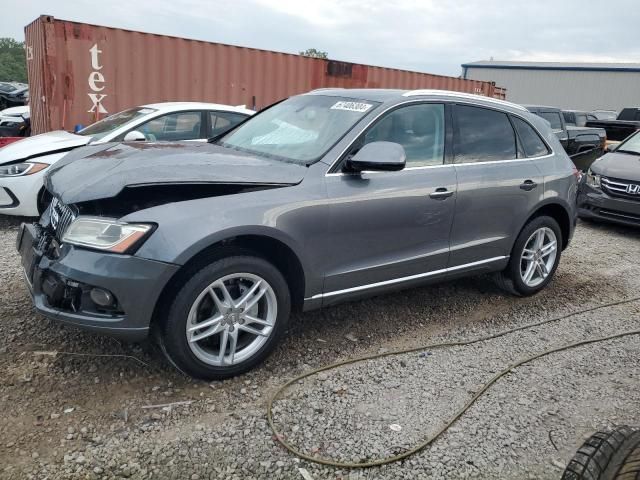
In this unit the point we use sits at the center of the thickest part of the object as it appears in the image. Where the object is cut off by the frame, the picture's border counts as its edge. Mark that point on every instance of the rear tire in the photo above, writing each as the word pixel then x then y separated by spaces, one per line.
pixel 533 249
pixel 613 455
pixel 239 302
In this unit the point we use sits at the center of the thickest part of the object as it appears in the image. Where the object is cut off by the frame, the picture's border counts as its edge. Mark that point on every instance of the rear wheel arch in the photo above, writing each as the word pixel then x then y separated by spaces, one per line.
pixel 268 248
pixel 559 213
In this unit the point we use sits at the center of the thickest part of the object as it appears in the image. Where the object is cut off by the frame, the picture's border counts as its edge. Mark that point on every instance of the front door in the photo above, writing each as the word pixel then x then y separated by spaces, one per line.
pixel 392 227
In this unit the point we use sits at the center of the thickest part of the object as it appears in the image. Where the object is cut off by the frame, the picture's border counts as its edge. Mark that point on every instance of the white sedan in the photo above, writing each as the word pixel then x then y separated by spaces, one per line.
pixel 13 115
pixel 23 164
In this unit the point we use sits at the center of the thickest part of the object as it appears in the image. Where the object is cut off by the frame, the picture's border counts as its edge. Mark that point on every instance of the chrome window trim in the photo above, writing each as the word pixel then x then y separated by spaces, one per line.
pixel 489 162
pixel 464 101
pixel 405 279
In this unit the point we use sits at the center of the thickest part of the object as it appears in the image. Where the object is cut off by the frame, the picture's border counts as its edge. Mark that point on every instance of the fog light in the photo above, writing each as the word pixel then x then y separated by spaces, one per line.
pixel 101 297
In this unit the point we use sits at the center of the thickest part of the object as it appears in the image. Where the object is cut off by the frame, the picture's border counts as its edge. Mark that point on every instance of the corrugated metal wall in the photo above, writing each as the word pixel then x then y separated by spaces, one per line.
pixel 572 90
pixel 79 73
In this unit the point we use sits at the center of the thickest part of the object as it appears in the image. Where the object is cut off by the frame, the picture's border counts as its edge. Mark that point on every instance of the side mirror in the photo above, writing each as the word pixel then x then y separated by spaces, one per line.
pixel 135 136
pixel 378 156
pixel 610 148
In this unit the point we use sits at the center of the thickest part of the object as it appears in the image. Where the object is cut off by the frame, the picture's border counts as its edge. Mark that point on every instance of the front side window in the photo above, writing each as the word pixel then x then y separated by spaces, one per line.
pixel 107 125
pixel 301 129
pixel 172 127
pixel 553 118
pixel 418 128
pixel 482 135
pixel 531 142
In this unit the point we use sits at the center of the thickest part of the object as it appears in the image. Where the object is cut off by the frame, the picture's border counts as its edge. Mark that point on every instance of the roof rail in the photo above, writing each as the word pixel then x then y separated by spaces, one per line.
pixel 470 96
pixel 325 89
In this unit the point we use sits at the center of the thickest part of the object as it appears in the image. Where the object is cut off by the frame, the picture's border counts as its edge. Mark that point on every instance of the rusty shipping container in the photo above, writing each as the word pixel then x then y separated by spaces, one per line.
pixel 79 73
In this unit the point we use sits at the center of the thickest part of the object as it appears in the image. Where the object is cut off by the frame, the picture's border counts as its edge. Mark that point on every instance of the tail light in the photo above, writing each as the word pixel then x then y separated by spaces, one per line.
pixel 577 173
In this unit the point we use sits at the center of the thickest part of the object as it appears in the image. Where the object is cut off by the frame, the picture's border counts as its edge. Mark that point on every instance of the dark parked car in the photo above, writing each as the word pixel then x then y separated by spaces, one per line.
pixel 577 118
pixel 325 197
pixel 611 188
pixel 14 97
pixel 628 122
pixel 582 144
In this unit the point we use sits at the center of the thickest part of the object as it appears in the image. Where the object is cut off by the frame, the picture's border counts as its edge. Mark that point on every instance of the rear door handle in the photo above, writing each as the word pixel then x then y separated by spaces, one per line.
pixel 528 185
pixel 441 193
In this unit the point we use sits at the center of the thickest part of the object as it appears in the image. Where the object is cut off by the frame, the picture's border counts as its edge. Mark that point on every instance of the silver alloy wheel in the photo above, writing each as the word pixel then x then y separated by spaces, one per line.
pixel 538 256
pixel 231 319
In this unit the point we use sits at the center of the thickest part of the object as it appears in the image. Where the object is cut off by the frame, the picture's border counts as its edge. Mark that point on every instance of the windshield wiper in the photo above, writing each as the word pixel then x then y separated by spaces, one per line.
pixel 631 152
pixel 217 137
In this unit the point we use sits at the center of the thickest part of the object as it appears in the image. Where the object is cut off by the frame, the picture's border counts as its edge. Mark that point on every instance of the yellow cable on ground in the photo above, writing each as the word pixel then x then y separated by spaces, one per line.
pixel 459 413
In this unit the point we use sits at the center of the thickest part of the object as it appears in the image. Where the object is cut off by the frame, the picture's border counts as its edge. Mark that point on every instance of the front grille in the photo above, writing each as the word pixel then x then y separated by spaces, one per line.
pixel 621 188
pixel 60 217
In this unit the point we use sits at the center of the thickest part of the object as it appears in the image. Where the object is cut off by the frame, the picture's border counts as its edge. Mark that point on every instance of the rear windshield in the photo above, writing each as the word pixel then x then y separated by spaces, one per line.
pixel 629 114
pixel 107 125
pixel 301 129
pixel 553 118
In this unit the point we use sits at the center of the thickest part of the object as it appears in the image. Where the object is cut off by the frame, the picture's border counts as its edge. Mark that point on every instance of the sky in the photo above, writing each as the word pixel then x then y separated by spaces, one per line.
pixel 422 35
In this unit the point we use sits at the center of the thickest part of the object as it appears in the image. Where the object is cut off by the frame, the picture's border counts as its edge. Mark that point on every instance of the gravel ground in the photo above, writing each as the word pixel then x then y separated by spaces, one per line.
pixel 82 416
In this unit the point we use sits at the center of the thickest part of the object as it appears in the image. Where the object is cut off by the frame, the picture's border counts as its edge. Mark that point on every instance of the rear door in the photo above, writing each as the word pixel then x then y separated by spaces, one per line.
pixel 393 227
pixel 497 186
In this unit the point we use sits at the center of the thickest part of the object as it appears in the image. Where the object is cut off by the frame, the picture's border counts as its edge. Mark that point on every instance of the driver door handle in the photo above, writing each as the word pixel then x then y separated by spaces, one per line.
pixel 441 193
pixel 528 185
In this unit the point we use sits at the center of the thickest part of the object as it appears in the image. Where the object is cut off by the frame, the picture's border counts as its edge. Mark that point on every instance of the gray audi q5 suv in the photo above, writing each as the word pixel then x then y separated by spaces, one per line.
pixel 324 197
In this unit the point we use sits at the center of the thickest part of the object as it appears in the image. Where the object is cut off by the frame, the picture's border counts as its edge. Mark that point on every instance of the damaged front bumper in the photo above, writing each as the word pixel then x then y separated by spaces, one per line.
pixel 63 281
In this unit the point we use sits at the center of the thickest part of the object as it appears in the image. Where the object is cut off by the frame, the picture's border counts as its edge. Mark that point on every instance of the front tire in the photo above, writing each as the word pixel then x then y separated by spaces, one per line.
pixel 226 318
pixel 534 258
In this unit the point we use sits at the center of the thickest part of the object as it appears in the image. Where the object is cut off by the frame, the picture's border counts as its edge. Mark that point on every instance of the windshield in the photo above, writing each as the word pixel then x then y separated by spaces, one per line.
pixel 630 145
pixel 301 129
pixel 109 124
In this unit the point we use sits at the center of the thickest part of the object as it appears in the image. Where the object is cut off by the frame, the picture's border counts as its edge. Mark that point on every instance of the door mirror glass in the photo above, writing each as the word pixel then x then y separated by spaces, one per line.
pixel 134 136
pixel 378 156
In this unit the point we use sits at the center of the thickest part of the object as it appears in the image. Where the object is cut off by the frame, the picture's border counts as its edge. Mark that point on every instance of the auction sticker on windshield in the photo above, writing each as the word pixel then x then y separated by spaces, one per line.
pixel 352 106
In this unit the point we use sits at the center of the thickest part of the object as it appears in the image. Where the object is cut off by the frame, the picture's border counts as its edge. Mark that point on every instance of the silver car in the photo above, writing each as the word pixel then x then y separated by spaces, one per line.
pixel 325 197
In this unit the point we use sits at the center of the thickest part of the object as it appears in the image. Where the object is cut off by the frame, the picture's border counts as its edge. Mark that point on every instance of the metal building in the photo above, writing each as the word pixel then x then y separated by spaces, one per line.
pixel 578 86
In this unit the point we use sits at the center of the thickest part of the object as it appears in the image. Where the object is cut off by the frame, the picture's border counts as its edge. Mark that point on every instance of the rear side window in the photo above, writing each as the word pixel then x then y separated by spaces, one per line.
pixel 581 119
pixel 553 118
pixel 531 142
pixel 568 118
pixel 483 135
pixel 220 122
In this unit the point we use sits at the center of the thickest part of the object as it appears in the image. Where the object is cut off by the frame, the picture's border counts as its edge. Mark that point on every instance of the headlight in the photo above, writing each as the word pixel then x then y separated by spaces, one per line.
pixel 21 169
pixel 105 234
pixel 593 180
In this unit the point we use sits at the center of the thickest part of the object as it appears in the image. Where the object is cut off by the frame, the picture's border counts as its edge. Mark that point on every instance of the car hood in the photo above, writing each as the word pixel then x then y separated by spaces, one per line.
pixel 103 171
pixel 624 166
pixel 15 111
pixel 39 145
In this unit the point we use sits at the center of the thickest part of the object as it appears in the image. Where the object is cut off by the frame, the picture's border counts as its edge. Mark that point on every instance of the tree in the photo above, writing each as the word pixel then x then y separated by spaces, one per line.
pixel 13 61
pixel 313 53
